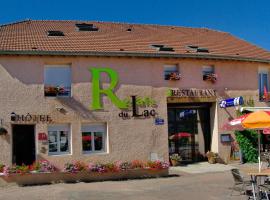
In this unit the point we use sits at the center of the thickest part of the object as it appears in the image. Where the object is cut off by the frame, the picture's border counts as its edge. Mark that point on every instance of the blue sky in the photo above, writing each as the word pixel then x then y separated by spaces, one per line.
pixel 247 19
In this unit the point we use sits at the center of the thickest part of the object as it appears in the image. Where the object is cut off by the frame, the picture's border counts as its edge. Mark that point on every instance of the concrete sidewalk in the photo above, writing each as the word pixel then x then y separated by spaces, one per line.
pixel 201 167
pixel 208 186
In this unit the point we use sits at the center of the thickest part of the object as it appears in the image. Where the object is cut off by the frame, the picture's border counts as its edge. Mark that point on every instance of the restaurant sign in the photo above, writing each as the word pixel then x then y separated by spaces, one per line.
pixel 191 95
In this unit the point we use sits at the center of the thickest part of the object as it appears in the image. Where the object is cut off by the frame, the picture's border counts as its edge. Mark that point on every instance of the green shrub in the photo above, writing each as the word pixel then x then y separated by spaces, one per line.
pixel 248 142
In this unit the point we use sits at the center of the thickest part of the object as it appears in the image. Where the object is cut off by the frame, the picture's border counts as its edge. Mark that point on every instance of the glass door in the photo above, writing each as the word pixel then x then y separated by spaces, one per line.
pixel 182 133
pixel 189 132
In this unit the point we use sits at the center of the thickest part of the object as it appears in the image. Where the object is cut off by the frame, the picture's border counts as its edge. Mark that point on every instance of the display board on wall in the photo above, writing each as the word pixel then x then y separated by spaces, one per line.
pixel 225 138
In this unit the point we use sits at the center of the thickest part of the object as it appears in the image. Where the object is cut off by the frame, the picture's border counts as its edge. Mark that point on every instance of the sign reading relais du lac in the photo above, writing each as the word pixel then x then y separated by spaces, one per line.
pixel 125 105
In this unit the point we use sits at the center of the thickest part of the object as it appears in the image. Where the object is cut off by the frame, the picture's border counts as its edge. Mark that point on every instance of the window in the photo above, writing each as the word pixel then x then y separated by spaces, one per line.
pixel 208 70
pixel 171 72
pixel 86 27
pixel 59 139
pixel 263 82
pixel 57 80
pixel 94 138
pixel 196 49
pixel 161 47
pixel 202 50
pixel 208 73
pixel 55 33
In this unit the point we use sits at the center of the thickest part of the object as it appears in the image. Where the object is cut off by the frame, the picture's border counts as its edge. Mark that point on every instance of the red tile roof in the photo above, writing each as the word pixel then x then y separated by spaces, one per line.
pixel 30 37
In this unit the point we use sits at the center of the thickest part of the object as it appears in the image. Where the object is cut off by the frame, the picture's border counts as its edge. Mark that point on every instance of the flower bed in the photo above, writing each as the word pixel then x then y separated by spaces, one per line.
pixel 43 172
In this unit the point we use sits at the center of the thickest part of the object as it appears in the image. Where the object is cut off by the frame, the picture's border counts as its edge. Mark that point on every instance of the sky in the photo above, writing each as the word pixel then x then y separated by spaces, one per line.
pixel 246 19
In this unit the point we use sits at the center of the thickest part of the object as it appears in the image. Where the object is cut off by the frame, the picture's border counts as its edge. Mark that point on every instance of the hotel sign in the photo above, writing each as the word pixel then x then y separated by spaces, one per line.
pixel 30 118
pixel 191 95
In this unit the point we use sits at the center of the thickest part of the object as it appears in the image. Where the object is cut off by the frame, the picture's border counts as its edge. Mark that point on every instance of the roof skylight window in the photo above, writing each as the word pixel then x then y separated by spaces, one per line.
pixel 55 33
pixel 161 47
pixel 86 27
pixel 196 49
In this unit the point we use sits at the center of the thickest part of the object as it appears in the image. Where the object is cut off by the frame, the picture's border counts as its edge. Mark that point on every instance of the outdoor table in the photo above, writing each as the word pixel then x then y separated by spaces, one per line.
pixel 254 174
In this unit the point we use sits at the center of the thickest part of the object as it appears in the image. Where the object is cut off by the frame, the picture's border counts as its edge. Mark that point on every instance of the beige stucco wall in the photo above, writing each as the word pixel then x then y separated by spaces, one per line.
pixel 21 87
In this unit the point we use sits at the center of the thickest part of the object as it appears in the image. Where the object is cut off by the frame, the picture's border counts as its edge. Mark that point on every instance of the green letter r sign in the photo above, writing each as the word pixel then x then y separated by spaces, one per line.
pixel 97 91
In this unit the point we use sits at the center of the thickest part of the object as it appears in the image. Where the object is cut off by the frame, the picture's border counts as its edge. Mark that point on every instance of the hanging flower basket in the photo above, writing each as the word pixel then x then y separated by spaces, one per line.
pixel 175 76
pixel 212 77
pixel 55 91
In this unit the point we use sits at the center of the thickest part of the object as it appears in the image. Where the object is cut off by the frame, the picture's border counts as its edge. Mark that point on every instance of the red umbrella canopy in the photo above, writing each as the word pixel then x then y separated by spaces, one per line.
pixel 259 120
pixel 180 135
pixel 255 120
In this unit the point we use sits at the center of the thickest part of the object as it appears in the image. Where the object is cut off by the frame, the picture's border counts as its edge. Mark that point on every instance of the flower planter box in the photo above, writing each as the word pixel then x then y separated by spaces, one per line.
pixel 56 177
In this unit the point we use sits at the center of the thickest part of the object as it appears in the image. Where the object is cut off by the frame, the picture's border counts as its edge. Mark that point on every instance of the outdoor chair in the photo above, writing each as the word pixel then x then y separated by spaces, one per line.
pixel 240 184
pixel 265 189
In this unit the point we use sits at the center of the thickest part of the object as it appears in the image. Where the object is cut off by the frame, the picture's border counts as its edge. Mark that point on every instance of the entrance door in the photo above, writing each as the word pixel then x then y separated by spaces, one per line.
pixel 23 144
pixel 189 131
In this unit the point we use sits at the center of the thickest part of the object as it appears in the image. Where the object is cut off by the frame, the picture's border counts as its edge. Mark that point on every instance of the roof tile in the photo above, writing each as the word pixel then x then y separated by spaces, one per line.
pixel 32 35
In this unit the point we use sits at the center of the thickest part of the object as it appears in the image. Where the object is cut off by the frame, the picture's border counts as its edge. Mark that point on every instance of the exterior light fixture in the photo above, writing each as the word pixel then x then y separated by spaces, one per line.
pixel 3 131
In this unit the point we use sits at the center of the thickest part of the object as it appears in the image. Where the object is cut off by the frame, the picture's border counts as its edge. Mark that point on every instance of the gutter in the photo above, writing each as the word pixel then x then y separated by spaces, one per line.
pixel 133 54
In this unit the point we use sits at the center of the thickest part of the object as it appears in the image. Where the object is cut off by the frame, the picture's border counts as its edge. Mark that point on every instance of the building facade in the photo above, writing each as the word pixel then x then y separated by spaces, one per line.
pixel 104 92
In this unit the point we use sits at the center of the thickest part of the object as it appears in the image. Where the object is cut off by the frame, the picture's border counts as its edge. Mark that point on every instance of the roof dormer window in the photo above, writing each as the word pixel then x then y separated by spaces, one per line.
pixel 161 47
pixel 196 49
pixel 55 33
pixel 86 27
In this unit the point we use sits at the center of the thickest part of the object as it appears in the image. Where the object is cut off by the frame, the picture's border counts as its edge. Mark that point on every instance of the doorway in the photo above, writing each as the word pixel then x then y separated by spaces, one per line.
pixel 23 151
pixel 189 130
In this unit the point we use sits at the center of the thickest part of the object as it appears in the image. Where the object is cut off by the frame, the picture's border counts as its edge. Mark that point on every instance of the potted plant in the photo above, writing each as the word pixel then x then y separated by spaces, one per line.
pixel 175 159
pixel 50 91
pixel 212 157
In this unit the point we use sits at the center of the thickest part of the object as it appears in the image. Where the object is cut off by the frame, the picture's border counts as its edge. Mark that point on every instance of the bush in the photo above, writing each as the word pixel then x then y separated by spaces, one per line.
pixel 75 167
pixel 137 164
pixel 124 165
pixel 248 142
pixel 157 164
pixel 96 167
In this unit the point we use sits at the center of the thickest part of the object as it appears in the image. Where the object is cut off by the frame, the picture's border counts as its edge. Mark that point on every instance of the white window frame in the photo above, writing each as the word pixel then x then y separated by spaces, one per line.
pixel 59 66
pixel 100 127
pixel 57 128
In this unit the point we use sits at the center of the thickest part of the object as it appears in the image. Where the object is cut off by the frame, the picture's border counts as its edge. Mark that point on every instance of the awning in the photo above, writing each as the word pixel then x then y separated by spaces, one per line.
pixel 254 109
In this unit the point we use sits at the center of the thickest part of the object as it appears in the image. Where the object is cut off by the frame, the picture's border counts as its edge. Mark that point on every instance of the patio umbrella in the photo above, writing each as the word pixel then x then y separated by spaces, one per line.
pixel 180 135
pixel 257 120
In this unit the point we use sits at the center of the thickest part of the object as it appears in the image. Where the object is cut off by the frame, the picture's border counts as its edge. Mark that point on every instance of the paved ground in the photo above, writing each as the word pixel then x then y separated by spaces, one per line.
pixel 206 186
pixel 202 167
